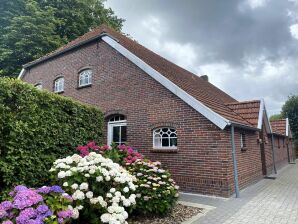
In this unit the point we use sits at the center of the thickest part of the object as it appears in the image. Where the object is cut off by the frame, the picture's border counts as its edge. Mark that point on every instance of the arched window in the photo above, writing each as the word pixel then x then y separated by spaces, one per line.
pixel 85 77
pixel 38 86
pixel 165 137
pixel 59 85
pixel 117 131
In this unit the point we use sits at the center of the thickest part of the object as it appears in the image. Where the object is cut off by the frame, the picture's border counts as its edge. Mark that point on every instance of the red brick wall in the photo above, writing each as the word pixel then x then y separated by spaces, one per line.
pixel 281 154
pixel 203 161
pixel 248 160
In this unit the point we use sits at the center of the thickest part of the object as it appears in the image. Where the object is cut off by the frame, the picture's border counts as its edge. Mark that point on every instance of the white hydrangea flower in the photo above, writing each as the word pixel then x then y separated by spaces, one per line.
pixel 78 195
pixel 80 207
pixel 68 173
pixel 112 190
pixel 99 178
pixel 65 184
pixel 89 194
pixel 126 189
pixel 74 186
pixel 61 174
pixel 84 186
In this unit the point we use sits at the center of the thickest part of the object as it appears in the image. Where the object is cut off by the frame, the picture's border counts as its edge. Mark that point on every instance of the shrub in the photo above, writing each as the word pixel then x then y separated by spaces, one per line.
pixel 100 188
pixel 37 127
pixel 157 192
pixel 44 205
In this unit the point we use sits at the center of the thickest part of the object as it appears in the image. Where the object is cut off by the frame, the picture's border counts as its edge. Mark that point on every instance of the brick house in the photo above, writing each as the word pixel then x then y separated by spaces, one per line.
pixel 211 143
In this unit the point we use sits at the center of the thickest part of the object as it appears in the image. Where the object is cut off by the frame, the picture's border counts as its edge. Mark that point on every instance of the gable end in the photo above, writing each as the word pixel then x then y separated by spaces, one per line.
pixel 215 118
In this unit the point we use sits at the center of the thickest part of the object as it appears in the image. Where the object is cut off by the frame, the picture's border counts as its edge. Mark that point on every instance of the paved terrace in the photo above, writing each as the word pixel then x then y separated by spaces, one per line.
pixel 268 201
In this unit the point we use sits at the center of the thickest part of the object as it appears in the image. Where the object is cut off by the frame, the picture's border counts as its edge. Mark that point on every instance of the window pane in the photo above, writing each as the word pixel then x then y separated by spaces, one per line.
pixel 157 142
pixel 165 142
pixel 173 142
pixel 116 134
pixel 123 134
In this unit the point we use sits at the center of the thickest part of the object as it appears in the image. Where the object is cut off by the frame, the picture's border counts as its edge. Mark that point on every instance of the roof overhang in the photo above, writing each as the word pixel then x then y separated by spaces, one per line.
pixel 20 76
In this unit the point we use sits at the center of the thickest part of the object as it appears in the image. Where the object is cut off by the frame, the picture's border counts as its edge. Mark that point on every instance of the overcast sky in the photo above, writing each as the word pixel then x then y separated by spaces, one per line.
pixel 248 48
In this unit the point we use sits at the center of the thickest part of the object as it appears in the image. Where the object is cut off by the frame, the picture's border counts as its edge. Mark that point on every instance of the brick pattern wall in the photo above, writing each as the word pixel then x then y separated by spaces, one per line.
pixel 281 153
pixel 248 160
pixel 203 160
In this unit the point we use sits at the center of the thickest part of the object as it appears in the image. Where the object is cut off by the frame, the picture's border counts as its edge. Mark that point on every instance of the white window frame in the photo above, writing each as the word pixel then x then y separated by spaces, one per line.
pixel 59 85
pixel 111 125
pixel 242 139
pixel 164 147
pixel 83 76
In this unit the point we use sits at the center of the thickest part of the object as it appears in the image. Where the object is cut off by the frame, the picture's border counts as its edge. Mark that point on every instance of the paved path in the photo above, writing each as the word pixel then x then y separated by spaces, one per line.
pixel 268 201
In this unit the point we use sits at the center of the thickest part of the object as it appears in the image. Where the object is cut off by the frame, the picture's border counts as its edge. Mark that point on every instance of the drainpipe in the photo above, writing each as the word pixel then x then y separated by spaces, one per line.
pixel 288 152
pixel 273 153
pixel 236 182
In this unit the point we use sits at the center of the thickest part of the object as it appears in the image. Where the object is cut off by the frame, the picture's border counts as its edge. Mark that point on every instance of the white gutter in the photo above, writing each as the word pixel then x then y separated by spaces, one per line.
pixel 214 117
pixel 21 73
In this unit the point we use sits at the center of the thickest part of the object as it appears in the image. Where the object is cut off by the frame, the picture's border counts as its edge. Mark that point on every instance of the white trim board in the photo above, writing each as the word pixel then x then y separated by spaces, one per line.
pixel 214 117
pixel 21 73
pixel 262 113
pixel 287 127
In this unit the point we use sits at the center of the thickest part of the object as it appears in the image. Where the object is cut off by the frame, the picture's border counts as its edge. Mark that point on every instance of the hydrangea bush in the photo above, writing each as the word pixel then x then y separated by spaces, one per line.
pixel 157 192
pixel 121 154
pixel 36 206
pixel 103 191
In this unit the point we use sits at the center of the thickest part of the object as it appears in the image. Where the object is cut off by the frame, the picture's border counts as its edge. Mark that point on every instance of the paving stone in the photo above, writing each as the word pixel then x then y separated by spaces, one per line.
pixel 268 201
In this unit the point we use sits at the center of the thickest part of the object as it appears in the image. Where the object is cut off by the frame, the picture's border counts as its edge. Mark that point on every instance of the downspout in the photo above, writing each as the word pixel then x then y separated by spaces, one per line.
pixel 236 182
pixel 288 152
pixel 273 153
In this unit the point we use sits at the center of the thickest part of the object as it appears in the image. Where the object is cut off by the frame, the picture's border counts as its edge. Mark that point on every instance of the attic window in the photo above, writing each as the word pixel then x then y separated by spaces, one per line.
pixel 59 85
pixel 242 141
pixel 85 78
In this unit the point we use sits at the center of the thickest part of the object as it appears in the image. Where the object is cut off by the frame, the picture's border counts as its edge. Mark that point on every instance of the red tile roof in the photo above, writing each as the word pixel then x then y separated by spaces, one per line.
pixel 203 91
pixel 279 126
pixel 249 110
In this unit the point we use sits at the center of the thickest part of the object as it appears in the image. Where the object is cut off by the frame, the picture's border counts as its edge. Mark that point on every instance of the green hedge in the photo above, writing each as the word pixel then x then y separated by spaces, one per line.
pixel 37 127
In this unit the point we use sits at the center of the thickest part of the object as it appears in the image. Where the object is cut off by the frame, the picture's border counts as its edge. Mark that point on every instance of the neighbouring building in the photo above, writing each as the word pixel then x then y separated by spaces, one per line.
pixel 212 143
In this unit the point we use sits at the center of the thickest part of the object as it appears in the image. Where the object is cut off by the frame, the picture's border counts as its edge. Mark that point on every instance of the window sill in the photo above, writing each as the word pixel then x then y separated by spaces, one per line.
pixel 172 150
pixel 84 86
pixel 60 92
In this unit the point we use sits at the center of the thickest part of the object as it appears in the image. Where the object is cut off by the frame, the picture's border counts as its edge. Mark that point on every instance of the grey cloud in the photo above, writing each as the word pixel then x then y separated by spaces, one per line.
pixel 224 32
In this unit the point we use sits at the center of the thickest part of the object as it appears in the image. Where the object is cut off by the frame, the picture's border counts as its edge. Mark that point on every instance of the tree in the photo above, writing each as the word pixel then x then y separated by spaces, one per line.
pixel 275 117
pixel 28 37
pixel 30 29
pixel 290 110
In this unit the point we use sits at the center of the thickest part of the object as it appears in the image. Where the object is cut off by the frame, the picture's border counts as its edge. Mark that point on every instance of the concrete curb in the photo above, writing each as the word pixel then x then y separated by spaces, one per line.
pixel 206 209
